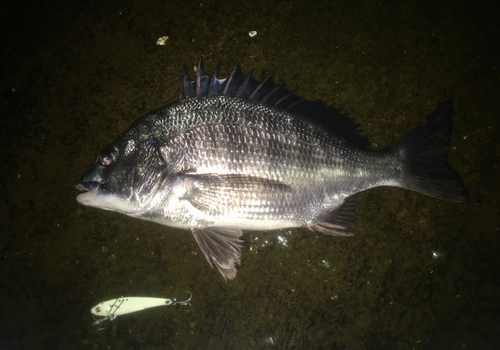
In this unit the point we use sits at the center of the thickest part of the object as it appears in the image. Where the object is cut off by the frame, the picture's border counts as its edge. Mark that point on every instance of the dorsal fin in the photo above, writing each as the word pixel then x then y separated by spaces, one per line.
pixel 239 85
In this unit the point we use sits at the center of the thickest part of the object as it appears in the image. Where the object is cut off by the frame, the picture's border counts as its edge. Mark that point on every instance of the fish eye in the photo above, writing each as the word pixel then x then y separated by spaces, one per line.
pixel 107 157
pixel 105 160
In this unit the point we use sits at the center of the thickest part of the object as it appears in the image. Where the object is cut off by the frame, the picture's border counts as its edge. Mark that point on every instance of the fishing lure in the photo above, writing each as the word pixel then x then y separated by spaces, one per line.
pixel 110 309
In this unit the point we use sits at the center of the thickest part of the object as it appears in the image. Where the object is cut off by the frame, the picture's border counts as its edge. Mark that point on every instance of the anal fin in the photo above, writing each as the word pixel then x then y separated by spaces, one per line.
pixel 337 221
pixel 330 229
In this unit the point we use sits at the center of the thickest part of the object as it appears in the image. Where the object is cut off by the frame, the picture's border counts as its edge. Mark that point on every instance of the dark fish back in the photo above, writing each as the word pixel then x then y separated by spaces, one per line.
pixel 245 87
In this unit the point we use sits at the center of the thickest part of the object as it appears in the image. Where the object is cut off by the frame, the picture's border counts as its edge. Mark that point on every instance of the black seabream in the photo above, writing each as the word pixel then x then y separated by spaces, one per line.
pixel 239 154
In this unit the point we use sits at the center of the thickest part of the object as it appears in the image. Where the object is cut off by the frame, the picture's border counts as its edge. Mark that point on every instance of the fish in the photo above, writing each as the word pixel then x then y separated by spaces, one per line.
pixel 239 154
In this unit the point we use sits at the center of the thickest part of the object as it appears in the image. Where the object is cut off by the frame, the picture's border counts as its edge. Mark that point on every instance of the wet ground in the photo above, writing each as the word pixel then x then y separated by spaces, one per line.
pixel 418 274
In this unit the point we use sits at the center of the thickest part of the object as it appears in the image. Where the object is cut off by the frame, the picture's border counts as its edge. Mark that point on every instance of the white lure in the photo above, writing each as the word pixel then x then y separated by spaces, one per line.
pixel 110 309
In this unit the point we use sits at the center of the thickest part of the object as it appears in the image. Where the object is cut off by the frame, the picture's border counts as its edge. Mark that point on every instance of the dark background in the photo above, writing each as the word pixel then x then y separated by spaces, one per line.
pixel 418 274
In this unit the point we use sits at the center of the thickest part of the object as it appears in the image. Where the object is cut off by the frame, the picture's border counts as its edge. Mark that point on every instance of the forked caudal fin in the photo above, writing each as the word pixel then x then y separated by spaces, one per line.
pixel 424 150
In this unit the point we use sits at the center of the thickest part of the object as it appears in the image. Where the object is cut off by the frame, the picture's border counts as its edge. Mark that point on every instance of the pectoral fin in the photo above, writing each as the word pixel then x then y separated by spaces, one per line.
pixel 221 246
pixel 215 194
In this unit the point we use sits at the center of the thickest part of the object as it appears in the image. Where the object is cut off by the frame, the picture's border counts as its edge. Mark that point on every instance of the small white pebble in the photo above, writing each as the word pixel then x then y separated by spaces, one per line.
pixel 252 33
pixel 161 41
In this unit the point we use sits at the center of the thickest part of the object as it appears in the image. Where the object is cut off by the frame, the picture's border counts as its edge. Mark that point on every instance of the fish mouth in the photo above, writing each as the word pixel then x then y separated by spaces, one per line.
pixel 95 194
pixel 90 190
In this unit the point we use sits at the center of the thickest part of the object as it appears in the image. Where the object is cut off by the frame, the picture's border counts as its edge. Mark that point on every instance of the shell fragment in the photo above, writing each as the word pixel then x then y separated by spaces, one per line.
pixel 161 41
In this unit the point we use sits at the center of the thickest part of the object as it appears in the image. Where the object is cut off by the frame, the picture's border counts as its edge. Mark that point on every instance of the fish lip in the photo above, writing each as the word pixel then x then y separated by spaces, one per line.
pixel 90 186
pixel 90 191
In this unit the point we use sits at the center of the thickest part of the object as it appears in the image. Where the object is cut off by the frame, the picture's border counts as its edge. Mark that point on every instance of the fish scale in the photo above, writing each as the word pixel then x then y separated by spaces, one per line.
pixel 237 154
pixel 256 146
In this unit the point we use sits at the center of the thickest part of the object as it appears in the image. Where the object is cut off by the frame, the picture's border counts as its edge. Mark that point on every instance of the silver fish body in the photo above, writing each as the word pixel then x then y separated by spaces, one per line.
pixel 237 154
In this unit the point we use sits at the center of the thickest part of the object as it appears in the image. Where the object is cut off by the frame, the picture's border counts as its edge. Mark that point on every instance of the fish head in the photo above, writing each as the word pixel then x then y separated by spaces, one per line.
pixel 125 177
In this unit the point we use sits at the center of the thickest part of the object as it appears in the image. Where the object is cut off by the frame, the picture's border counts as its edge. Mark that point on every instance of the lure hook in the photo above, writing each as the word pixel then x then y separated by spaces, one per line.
pixel 183 302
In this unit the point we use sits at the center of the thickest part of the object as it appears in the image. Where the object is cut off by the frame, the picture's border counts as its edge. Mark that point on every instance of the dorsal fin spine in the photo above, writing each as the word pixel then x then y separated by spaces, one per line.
pixel 254 93
pixel 241 90
pixel 214 81
pixel 239 85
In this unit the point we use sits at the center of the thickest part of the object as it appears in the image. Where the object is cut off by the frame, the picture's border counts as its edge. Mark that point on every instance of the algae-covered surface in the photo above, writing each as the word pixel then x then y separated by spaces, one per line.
pixel 419 273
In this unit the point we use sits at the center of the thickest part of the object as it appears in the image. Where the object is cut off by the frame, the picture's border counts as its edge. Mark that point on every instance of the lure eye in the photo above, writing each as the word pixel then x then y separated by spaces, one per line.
pixel 108 156
pixel 98 310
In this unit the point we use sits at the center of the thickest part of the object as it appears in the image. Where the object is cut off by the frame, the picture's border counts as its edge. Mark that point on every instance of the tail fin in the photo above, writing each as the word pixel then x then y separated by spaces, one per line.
pixel 426 160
